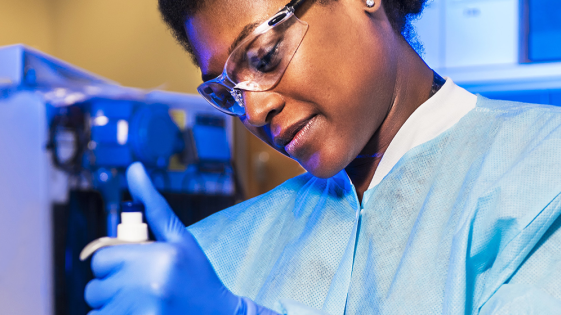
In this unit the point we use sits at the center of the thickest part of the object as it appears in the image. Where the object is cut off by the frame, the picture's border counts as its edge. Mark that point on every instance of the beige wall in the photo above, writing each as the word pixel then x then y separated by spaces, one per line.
pixel 126 41
pixel 27 21
pixel 123 40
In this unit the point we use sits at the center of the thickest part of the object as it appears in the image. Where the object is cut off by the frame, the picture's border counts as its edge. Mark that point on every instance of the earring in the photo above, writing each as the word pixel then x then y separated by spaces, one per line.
pixel 370 3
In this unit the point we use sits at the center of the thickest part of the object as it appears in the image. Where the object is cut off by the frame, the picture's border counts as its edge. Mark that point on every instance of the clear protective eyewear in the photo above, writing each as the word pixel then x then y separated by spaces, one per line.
pixel 258 62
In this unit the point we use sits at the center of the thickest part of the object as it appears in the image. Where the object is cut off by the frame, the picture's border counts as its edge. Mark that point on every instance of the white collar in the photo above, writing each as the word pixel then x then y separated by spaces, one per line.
pixel 433 117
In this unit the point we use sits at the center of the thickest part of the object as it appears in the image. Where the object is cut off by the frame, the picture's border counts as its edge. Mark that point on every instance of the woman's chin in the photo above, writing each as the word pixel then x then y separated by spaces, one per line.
pixel 326 163
pixel 321 170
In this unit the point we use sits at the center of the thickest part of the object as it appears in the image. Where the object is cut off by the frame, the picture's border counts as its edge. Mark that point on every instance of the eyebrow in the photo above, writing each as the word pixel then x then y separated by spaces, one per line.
pixel 248 29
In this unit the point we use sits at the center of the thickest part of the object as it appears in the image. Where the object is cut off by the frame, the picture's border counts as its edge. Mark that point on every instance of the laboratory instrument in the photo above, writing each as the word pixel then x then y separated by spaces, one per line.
pixel 68 136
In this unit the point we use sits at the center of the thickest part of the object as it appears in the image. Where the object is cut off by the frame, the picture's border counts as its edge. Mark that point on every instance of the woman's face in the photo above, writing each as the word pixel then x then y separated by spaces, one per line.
pixel 336 91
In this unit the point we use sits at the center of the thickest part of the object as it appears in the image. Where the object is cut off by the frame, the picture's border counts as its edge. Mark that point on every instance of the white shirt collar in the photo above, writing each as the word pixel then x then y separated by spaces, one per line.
pixel 433 117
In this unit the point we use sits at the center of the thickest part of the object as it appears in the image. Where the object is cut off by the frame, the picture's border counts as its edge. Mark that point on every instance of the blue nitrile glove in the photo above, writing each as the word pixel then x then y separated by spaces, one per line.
pixel 170 276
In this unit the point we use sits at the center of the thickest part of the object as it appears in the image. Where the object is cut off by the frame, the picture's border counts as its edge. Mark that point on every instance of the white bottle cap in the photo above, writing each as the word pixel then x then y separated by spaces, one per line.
pixel 131 228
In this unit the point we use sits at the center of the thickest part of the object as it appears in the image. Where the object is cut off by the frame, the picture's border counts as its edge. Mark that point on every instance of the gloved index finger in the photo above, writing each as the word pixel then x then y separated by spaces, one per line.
pixel 105 262
pixel 159 216
pixel 108 260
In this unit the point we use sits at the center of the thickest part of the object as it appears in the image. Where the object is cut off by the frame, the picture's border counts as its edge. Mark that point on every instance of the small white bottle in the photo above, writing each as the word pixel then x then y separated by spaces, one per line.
pixel 131 230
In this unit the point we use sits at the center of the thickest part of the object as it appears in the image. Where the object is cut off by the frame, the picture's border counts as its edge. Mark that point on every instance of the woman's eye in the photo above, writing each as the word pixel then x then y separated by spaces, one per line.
pixel 266 59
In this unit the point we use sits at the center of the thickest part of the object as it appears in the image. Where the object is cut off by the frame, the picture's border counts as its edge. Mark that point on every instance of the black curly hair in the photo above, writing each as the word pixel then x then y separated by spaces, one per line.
pixel 400 14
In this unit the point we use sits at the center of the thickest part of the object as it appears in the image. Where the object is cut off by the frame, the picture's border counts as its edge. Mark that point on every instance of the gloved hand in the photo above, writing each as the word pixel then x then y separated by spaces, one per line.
pixel 170 276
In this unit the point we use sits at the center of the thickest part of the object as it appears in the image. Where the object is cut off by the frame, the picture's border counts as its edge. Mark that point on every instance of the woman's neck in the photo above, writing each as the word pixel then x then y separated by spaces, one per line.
pixel 412 88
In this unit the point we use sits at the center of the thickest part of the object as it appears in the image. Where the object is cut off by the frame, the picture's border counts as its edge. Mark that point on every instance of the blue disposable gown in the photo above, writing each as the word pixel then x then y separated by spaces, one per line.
pixel 465 223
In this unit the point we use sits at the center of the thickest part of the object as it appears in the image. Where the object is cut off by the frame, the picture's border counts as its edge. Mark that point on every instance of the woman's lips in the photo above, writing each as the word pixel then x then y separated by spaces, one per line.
pixel 300 138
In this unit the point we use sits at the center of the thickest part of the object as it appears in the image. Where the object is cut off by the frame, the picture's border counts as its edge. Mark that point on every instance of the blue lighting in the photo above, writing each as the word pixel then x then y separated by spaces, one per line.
pixel 545 30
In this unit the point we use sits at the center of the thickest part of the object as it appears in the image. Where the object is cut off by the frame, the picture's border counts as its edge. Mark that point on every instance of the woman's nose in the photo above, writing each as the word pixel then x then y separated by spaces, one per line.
pixel 261 107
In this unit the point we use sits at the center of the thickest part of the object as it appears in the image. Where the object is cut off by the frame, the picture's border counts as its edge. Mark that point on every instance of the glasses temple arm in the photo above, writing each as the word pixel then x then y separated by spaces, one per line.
pixel 295 3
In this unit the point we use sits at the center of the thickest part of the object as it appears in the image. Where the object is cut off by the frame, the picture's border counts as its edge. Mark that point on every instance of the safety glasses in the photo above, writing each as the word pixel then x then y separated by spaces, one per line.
pixel 258 62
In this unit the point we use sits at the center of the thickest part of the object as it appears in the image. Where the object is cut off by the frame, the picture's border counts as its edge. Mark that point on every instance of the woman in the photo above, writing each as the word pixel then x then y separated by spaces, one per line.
pixel 420 197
